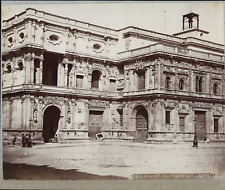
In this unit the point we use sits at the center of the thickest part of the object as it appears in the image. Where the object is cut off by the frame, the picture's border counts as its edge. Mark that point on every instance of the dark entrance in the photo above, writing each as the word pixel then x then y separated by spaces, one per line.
pixel 50 122
pixel 141 124
pixel 50 69
pixel 200 125
pixel 95 123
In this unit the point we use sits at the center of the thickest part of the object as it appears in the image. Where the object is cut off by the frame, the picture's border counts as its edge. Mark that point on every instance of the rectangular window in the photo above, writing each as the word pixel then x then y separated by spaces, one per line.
pixel 141 80
pixel 216 125
pixel 112 85
pixel 79 81
pixel 167 117
pixel 181 123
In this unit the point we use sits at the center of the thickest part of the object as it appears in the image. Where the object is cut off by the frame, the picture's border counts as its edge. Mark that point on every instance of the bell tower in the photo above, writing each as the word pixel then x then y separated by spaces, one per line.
pixel 191 27
pixel 190 21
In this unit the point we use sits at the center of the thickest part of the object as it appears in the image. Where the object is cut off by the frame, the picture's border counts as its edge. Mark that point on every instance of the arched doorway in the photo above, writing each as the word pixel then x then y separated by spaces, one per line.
pixel 50 122
pixel 141 123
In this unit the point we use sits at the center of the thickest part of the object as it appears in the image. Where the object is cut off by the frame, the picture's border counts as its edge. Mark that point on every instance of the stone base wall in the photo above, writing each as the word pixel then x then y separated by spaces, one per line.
pixel 66 136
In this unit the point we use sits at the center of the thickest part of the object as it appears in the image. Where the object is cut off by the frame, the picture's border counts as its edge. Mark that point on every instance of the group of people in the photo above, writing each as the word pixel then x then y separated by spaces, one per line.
pixel 26 140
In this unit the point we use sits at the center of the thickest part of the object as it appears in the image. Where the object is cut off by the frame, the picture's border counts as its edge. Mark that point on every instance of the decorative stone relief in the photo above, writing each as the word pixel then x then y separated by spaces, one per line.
pixel 218 111
pixel 183 109
pixel 68 114
pixel 35 112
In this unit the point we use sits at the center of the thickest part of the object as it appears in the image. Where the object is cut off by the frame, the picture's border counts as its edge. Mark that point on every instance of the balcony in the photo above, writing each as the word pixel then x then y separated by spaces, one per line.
pixel 178 51
pixel 60 91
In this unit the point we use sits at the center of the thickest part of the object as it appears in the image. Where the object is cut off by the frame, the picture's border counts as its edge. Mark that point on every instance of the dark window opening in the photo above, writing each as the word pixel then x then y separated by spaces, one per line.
pixel 69 77
pixel 215 89
pixel 50 69
pixel 141 80
pixel 20 66
pixel 53 37
pixel 96 46
pixel 95 79
pixel 10 40
pixel 9 69
pixel 79 81
pixel 21 35
pixel 36 66
pixel 112 85
pixel 198 84
pixel 216 125
pixel 181 84
pixel 167 85
pixel 167 117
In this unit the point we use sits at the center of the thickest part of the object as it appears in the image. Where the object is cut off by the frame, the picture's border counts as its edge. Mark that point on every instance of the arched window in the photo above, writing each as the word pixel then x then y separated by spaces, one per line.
pixel 95 79
pixel 181 84
pixel 167 85
pixel 9 69
pixel 215 89
pixel 20 66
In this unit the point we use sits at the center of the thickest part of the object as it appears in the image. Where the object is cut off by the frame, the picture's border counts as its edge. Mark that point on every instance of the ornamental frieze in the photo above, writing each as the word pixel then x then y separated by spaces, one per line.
pixel 53 100
pixel 218 111
pixel 183 109
pixel 97 104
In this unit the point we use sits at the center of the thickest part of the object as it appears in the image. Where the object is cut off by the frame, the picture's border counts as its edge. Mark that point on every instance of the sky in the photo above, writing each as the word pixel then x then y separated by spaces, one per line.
pixel 163 17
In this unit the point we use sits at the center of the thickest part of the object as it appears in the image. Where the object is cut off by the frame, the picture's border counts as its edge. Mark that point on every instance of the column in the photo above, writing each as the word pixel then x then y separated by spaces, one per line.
pixel 13 70
pixel 10 113
pixel 147 78
pixel 40 119
pixel 59 78
pixel 22 114
pixel 73 114
pixel 33 32
pixel 159 76
pixel 41 71
pixel 27 65
pixel 32 68
pixel 131 84
pixel 29 31
pixel 65 75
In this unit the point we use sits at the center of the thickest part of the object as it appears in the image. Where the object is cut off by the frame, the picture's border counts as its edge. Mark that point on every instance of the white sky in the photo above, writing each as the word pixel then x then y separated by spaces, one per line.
pixel 146 15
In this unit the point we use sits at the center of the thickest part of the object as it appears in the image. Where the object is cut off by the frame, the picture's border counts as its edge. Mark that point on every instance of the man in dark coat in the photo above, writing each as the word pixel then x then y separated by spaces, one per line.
pixel 23 141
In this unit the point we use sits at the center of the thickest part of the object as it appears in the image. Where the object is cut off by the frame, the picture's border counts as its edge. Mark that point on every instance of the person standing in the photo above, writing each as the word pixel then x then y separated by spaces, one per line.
pixel 23 141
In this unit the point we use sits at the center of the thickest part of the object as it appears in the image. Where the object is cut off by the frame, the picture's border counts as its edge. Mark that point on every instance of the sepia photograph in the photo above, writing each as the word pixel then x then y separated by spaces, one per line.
pixel 124 93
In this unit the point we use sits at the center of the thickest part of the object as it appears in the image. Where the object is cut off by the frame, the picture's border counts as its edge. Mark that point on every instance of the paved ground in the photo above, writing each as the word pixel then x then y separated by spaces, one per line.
pixel 122 159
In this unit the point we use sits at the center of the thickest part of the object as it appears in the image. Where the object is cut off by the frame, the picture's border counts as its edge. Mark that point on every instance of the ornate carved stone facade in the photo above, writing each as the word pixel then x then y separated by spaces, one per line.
pixel 71 79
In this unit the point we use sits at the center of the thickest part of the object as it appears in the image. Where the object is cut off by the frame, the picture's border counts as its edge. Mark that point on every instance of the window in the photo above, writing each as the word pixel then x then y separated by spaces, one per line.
pixel 141 80
pixel 181 84
pixel 167 117
pixel 198 84
pixel 112 85
pixel 181 123
pixel 216 126
pixel 20 66
pixel 95 79
pixel 167 85
pixel 215 89
pixel 9 69
pixel 79 81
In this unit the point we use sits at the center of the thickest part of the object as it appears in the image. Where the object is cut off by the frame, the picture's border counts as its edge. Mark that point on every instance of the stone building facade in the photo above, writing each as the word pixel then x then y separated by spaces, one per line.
pixel 74 79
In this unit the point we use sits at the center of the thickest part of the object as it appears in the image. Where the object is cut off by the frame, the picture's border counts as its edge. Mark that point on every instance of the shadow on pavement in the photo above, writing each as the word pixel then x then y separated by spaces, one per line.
pixel 29 172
